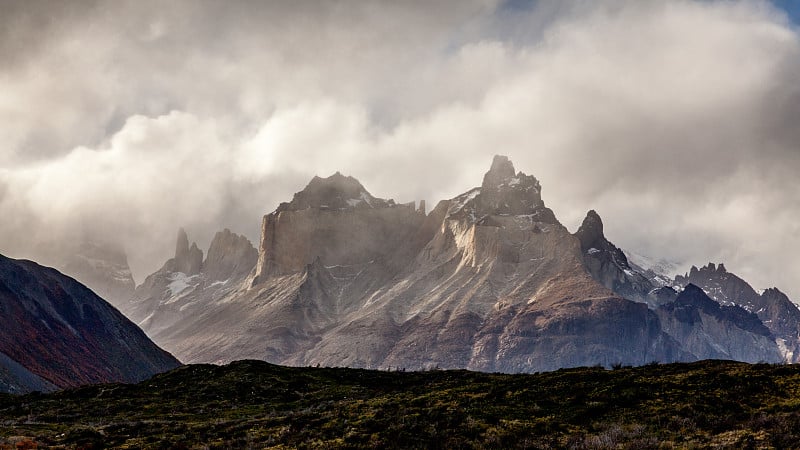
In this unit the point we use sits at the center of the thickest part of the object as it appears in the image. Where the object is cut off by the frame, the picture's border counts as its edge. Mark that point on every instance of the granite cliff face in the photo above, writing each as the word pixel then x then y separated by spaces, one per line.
pixel 55 333
pixel 334 220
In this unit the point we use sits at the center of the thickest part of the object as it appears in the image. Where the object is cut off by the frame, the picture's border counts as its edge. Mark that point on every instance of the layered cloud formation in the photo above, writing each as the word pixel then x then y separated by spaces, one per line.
pixel 674 120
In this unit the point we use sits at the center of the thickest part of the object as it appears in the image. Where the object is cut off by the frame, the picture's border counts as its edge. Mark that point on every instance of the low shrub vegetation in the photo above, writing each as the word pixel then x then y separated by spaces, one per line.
pixel 251 404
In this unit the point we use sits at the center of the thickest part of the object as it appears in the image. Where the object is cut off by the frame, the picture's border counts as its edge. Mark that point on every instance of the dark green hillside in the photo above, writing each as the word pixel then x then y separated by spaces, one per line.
pixel 255 404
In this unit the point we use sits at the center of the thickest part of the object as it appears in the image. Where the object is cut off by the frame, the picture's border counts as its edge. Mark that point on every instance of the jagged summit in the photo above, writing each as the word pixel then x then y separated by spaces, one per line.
pixel 502 171
pixel 503 193
pixel 591 234
pixel 182 243
pixel 709 268
pixel 772 306
pixel 229 254
pixel 334 192
pixel 187 259
pixel 609 265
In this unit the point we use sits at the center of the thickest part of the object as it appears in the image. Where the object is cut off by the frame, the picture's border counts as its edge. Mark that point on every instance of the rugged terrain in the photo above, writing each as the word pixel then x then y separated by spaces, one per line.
pixel 187 284
pixel 489 280
pixel 56 333
pixel 251 404
pixel 733 299
pixel 772 306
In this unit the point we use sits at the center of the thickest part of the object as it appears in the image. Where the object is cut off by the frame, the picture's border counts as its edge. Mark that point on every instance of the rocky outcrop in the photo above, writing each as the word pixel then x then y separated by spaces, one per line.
pixel 55 332
pixel 772 306
pixel 229 255
pixel 187 259
pixel 609 265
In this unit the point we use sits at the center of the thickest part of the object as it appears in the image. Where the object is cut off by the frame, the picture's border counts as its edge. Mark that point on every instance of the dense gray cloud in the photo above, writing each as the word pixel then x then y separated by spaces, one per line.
pixel 674 120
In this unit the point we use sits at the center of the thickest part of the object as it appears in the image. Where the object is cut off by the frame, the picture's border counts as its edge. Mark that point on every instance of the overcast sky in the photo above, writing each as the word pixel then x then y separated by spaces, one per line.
pixel 676 121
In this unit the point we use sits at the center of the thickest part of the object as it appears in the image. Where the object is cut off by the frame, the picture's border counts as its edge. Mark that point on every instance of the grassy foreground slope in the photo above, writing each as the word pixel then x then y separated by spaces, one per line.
pixel 255 404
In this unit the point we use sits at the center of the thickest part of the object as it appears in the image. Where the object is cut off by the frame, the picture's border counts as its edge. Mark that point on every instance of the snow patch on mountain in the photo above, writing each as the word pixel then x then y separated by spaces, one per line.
pixel 179 282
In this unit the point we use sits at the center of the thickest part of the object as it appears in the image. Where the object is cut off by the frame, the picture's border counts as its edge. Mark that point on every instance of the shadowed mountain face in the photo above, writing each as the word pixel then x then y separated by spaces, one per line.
pixel 609 265
pixel 713 332
pixel 101 266
pixel 772 306
pixel 705 327
pixel 55 332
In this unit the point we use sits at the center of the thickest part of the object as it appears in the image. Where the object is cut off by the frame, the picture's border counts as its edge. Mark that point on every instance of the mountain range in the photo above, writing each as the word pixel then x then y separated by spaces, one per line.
pixel 489 280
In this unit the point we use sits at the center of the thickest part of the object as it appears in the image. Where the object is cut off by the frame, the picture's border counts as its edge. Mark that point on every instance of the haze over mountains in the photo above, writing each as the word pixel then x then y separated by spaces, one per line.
pixel 488 280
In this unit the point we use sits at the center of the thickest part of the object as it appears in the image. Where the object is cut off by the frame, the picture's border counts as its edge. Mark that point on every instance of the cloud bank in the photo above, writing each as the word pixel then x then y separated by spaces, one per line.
pixel 674 120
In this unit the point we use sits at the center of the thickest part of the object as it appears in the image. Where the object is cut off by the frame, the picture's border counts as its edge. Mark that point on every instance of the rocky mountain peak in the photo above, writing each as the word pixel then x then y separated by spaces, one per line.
pixel 501 172
pixel 335 192
pixel 773 293
pixel 609 265
pixel 590 233
pixel 503 193
pixel 182 245
pixel 693 295
pixel 188 259
pixel 229 254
